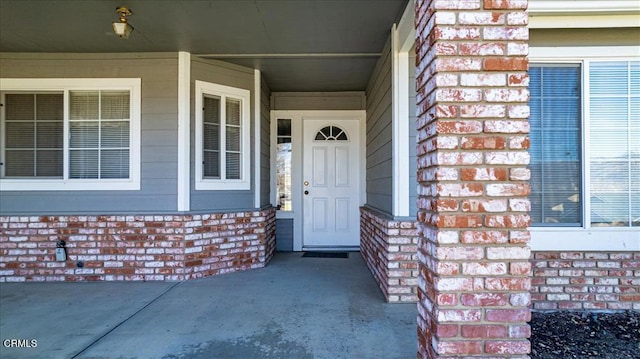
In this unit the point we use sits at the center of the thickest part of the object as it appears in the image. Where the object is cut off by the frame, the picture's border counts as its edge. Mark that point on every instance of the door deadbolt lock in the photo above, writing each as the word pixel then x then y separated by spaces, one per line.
pixel 306 183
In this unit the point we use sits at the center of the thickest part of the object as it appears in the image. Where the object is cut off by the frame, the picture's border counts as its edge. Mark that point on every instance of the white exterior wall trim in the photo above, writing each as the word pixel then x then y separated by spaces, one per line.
pixel 184 130
pixel 257 128
pixel 402 39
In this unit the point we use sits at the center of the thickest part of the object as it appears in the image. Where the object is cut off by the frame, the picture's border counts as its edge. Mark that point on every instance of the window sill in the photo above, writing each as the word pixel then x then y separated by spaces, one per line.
pixel 222 185
pixel 69 185
pixel 592 239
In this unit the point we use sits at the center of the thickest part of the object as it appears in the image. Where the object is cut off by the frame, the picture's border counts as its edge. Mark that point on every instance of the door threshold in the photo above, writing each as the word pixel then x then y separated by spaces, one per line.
pixel 331 248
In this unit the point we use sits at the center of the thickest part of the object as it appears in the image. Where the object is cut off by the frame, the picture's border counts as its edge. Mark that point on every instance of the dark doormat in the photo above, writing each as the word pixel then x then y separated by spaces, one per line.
pixel 326 254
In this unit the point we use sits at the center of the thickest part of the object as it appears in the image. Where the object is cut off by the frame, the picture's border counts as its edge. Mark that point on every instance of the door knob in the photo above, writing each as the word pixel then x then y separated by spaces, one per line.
pixel 306 192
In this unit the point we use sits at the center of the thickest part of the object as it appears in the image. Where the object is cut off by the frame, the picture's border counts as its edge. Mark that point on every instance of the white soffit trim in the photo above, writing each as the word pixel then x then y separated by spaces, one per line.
pixel 184 86
pixel 583 14
pixel 257 175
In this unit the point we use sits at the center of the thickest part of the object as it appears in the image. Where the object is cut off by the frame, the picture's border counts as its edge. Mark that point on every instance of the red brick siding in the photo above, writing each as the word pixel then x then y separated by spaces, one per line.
pixel 474 269
pixel 389 249
pixel 137 248
pixel 575 280
pixel 586 280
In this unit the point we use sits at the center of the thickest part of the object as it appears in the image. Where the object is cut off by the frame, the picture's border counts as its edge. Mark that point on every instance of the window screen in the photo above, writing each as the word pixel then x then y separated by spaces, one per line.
pixel 33 140
pixel 556 171
pixel 211 137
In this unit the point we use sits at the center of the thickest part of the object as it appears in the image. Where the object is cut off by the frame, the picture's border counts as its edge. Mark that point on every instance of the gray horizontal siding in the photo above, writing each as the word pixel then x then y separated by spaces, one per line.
pixel 349 100
pixel 221 73
pixel 379 136
pixel 159 74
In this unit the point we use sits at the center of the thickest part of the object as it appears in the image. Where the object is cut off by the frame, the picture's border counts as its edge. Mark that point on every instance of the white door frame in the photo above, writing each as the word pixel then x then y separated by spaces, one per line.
pixel 297 117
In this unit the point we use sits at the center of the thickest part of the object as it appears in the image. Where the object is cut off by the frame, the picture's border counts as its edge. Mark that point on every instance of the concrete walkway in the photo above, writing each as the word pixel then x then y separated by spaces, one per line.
pixel 295 308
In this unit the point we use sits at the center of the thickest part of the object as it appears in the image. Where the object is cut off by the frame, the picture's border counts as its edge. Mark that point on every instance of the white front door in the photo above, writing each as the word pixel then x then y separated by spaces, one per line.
pixel 331 183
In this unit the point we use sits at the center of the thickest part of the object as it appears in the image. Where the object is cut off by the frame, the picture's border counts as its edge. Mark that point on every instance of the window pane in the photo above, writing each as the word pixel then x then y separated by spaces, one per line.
pixel 283 165
pixel 83 134
pixel 635 186
pixel 555 145
pixel 284 127
pixel 20 107
pixel 211 165
pixel 233 112
pixel 34 125
pixel 83 105
pixel 114 134
pixel 233 138
pixel 49 134
pixel 615 144
pixel 612 110
pixel 50 107
pixel 635 78
pixel 19 163
pixel 114 164
pixel 19 134
pixel 114 105
pixel 83 164
pixel 233 165
pixel 49 163
pixel 211 134
pixel 609 78
pixel 211 112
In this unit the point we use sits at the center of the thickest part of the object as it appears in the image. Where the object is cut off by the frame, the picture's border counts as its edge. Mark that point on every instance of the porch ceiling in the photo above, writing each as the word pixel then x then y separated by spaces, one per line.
pixel 301 45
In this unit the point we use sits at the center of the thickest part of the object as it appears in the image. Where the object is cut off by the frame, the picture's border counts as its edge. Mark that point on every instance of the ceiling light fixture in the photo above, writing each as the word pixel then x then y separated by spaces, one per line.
pixel 122 27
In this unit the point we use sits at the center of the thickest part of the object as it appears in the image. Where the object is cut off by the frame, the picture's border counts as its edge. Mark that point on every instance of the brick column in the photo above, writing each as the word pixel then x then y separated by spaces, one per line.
pixel 473 182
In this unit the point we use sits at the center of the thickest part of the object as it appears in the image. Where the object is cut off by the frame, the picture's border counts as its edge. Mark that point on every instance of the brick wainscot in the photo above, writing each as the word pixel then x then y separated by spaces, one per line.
pixel 137 248
pixel 389 247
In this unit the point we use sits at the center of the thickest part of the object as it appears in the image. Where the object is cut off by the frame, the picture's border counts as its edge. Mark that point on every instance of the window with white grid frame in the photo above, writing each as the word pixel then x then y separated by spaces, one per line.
pixel 33 135
pixel 222 137
pixel 99 134
pixel 57 135
pixel 591 107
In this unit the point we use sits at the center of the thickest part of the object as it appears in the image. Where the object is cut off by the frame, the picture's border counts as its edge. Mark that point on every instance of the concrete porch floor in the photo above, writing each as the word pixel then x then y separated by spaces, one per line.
pixel 294 308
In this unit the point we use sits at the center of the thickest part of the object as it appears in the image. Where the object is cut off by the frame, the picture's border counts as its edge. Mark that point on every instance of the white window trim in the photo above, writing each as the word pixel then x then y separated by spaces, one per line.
pixel 582 6
pixel 585 237
pixel 133 85
pixel 587 14
pixel 207 184
pixel 184 131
